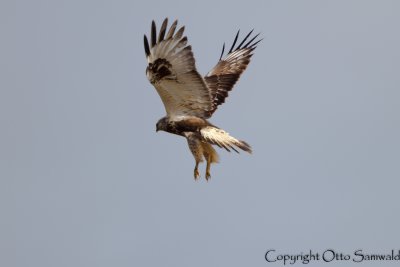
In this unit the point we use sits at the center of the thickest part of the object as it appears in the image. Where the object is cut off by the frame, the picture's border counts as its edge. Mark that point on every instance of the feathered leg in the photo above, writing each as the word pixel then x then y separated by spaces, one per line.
pixel 211 156
pixel 208 159
pixel 197 151
pixel 208 174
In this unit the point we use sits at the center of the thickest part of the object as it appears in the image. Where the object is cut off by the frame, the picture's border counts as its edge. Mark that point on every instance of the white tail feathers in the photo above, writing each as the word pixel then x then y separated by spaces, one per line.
pixel 222 139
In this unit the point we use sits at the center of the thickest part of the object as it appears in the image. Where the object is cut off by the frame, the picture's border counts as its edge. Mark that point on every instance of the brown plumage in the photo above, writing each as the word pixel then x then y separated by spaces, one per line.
pixel 221 79
pixel 189 99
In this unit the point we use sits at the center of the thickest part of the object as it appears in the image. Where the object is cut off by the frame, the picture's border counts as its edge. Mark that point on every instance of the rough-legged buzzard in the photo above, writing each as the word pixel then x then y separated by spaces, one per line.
pixel 189 98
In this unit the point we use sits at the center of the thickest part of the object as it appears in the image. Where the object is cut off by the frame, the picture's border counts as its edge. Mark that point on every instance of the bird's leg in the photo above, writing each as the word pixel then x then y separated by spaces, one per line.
pixel 196 170
pixel 208 175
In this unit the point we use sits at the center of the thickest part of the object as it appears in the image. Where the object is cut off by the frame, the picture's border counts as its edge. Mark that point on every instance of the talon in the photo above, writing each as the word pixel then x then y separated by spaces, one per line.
pixel 196 173
pixel 208 175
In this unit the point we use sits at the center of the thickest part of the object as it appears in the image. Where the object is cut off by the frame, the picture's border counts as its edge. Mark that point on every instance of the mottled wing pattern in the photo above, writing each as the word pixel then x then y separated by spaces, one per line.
pixel 172 71
pixel 221 79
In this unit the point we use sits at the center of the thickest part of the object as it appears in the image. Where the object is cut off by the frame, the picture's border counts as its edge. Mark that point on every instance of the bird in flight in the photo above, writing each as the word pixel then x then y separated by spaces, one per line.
pixel 190 99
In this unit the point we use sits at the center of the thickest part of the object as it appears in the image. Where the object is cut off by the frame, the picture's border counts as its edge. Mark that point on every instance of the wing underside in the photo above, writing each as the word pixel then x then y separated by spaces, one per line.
pixel 172 71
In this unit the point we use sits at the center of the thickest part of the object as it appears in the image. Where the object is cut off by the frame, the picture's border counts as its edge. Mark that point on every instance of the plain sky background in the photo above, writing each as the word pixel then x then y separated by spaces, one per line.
pixel 86 181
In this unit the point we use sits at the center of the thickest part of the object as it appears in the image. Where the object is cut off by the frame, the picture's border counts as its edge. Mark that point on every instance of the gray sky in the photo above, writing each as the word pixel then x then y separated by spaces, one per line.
pixel 86 181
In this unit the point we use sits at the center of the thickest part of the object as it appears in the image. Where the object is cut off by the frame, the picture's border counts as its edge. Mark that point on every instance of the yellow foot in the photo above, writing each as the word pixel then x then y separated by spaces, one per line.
pixel 208 175
pixel 196 174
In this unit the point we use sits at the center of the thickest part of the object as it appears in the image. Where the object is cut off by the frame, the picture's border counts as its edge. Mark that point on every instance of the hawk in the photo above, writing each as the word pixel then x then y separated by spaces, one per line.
pixel 190 99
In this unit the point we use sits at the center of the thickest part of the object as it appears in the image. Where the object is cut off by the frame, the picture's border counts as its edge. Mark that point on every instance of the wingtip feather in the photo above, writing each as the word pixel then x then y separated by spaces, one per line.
pixel 245 38
pixel 222 53
pixel 252 39
pixel 171 30
pixel 153 34
pixel 146 46
pixel 179 33
pixel 234 42
pixel 163 30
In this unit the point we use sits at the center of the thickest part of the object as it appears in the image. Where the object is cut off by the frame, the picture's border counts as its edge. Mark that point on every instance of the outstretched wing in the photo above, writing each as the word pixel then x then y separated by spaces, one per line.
pixel 221 79
pixel 172 71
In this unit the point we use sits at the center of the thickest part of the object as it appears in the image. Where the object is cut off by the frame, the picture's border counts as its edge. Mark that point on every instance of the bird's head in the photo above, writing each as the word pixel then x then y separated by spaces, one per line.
pixel 161 124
